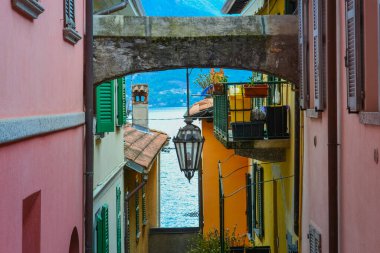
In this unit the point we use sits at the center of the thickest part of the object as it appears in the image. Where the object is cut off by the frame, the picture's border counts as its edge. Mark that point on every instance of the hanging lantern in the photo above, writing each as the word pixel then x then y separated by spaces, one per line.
pixel 188 145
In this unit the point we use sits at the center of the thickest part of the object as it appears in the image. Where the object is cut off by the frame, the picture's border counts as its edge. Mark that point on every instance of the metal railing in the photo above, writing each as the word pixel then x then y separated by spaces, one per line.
pixel 240 115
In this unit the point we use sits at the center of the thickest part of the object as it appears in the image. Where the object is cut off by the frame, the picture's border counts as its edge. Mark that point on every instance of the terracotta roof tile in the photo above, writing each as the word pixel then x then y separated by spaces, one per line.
pixel 142 147
pixel 201 106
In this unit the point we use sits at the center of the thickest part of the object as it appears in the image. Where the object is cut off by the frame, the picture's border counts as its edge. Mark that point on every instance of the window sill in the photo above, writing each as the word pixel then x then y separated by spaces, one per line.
pixel 29 8
pixel 312 113
pixel 71 36
pixel 370 118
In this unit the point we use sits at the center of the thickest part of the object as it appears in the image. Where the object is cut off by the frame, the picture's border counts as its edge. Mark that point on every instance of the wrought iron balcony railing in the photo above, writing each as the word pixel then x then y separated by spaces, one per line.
pixel 245 112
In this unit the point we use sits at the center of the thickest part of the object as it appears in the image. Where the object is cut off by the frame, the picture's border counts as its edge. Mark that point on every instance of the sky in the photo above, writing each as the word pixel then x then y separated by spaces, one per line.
pixel 183 8
pixel 162 83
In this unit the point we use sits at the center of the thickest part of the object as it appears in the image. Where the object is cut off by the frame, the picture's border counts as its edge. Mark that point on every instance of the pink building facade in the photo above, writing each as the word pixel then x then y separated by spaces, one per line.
pixel 340 94
pixel 41 126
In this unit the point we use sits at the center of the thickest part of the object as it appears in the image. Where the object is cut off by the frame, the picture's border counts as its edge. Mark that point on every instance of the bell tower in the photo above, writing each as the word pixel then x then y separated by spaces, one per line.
pixel 140 115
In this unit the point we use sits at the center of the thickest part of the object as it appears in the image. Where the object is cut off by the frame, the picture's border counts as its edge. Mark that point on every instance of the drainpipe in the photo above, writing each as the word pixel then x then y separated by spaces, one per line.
pixel 114 8
pixel 296 192
pixel 221 209
pixel 339 108
pixel 331 82
pixel 89 139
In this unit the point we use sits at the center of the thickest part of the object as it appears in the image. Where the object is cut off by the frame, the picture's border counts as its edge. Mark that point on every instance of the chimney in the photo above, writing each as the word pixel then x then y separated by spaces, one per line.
pixel 140 105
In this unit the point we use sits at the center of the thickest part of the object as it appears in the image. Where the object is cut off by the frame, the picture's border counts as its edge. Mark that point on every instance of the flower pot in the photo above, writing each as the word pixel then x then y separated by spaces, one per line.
pixel 218 89
pixel 256 91
pixel 239 249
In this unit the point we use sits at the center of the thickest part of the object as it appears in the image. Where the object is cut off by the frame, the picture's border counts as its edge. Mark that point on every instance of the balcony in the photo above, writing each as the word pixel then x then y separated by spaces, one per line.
pixel 254 122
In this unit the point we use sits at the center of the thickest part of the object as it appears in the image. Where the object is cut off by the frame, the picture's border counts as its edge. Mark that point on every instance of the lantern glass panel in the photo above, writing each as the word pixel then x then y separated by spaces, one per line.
pixel 181 154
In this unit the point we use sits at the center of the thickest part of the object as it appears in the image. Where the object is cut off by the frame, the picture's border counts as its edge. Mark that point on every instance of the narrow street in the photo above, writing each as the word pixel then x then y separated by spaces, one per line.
pixel 190 126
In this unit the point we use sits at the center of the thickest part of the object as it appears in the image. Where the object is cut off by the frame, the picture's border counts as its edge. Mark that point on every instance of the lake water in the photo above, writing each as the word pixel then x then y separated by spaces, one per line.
pixel 179 198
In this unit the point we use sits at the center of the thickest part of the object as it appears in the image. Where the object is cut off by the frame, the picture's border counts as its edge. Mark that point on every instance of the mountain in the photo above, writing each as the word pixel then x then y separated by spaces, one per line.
pixel 168 88
pixel 182 8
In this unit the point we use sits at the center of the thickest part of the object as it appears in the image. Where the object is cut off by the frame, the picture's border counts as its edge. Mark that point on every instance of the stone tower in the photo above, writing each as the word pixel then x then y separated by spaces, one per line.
pixel 140 105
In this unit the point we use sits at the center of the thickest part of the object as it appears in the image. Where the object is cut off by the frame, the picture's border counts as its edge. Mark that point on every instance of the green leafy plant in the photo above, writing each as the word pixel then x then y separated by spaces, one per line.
pixel 203 80
pixel 210 243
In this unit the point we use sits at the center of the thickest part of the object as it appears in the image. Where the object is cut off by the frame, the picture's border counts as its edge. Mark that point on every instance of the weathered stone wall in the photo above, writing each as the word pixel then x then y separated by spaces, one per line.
pixel 171 240
pixel 125 45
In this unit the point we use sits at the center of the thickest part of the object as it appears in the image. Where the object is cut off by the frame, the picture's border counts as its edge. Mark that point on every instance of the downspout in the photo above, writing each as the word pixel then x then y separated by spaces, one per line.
pixel 331 81
pixel 339 108
pixel 297 114
pixel 114 8
pixel 89 139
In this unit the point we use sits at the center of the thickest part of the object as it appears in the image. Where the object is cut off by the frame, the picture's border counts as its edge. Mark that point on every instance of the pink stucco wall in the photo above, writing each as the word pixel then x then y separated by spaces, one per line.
pixel 315 168
pixel 360 175
pixel 52 164
pixel 41 74
pixel 315 184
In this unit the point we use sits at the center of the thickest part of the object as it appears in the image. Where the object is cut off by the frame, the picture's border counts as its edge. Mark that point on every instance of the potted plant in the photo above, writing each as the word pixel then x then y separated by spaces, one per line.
pixel 218 79
pixel 209 242
pixel 253 90
pixel 236 242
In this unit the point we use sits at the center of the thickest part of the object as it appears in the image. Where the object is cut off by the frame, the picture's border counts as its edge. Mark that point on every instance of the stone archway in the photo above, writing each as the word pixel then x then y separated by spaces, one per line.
pixel 125 45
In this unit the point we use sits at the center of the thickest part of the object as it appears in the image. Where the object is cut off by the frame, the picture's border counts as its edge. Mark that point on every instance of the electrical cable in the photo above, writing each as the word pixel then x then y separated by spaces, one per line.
pixel 253 184
pixel 207 117
pixel 246 166
pixel 228 158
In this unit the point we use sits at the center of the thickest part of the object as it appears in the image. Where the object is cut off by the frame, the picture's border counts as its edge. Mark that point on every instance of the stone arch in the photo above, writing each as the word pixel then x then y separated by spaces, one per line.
pixel 125 45
pixel 74 241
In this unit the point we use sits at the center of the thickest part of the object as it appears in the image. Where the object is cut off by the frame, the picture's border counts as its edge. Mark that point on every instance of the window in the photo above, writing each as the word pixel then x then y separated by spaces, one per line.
pixel 314 240
pixel 69 32
pixel 121 102
pixel 137 205
pixel 143 192
pixel 318 56
pixel 353 57
pixel 303 46
pixel 105 107
pixel 29 8
pixel 102 234
pixel 255 201
pixel 118 219
pixel 128 225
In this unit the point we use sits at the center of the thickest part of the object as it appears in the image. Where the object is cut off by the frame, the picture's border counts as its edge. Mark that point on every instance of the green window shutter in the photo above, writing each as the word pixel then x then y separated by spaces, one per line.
pixel 105 229
pixel 260 201
pixel 249 203
pixel 105 111
pixel 99 232
pixel 254 190
pixel 118 220
pixel 121 102
pixel 128 229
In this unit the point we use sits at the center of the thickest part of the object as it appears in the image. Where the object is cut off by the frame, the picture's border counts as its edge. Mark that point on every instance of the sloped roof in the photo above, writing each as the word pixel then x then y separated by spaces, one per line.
pixel 142 147
pixel 234 6
pixel 202 108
